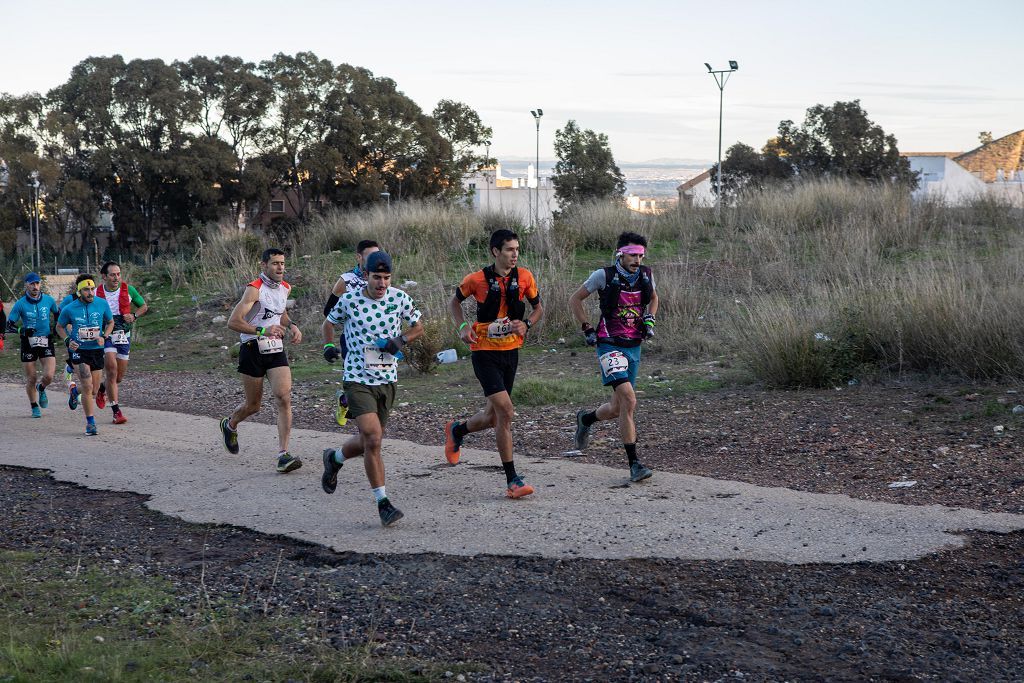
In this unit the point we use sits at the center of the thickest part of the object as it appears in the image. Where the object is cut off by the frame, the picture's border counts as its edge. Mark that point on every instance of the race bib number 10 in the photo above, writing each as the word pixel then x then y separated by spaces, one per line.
pixel 613 362
pixel 269 344
pixel 378 359
pixel 499 328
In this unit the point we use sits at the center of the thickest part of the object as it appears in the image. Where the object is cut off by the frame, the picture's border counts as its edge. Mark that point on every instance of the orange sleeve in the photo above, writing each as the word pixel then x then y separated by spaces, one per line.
pixel 470 284
pixel 530 291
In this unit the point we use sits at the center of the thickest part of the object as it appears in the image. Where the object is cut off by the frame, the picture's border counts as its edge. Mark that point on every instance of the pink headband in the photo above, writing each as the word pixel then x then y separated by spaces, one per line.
pixel 632 249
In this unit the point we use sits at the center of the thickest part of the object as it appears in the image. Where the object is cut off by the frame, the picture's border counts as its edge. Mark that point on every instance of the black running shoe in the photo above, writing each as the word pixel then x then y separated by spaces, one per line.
pixel 329 479
pixel 389 514
pixel 582 431
pixel 286 463
pixel 637 472
pixel 230 437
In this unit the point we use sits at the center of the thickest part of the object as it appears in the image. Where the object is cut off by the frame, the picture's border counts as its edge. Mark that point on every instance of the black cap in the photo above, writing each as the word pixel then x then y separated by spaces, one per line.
pixel 378 262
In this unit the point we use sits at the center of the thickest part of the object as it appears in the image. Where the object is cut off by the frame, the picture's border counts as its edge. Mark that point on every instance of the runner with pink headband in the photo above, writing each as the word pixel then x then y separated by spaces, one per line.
pixel 629 303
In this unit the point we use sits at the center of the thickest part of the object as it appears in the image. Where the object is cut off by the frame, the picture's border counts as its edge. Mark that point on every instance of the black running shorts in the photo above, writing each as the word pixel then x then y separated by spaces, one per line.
pixel 255 364
pixel 91 357
pixel 30 354
pixel 496 370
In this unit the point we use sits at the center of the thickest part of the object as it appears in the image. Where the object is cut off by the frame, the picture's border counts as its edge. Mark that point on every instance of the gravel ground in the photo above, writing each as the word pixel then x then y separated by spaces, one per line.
pixel 954 615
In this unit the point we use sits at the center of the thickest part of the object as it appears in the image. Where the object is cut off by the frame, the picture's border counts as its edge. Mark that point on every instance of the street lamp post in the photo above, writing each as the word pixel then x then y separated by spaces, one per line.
pixel 721 77
pixel 537 113
pixel 487 175
pixel 35 219
pixel 386 196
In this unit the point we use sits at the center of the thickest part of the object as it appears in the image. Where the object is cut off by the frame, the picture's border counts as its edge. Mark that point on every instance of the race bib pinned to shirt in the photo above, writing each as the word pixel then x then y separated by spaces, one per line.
pixel 88 333
pixel 269 344
pixel 499 328
pixel 613 362
pixel 119 337
pixel 378 359
pixel 39 342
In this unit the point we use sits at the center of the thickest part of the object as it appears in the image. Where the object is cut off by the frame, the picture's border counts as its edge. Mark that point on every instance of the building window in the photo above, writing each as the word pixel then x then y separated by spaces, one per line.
pixel 277 206
pixel 472 186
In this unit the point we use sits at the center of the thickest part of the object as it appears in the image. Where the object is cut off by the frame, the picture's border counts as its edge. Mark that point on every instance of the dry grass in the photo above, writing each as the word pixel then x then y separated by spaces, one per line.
pixel 895 284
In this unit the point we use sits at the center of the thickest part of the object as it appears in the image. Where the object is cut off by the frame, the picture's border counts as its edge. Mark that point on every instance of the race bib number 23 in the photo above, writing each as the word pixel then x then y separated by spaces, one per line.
pixel 613 362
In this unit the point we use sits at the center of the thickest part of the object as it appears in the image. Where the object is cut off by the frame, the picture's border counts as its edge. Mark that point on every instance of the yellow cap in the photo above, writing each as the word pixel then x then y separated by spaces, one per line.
pixel 86 284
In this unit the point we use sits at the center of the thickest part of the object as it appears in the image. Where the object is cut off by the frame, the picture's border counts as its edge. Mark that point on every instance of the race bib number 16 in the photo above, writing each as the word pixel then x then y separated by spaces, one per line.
pixel 499 328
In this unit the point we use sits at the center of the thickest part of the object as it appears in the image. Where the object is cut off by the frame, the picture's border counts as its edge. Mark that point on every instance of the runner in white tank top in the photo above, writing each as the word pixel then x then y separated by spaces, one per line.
pixel 262 322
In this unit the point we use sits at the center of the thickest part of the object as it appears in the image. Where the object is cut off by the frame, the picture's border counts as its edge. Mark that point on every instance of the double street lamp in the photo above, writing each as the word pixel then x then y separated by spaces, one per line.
pixel 721 77
pixel 537 113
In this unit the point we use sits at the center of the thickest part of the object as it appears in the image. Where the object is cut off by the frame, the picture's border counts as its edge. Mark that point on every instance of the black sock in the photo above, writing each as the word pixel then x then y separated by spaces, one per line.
pixel 630 452
pixel 113 407
pixel 510 471
pixel 35 405
pixel 460 430
pixel 40 388
pixel 589 418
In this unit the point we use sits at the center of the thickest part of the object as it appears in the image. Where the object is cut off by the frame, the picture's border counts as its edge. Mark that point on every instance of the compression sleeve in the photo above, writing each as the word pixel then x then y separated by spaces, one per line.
pixel 331 301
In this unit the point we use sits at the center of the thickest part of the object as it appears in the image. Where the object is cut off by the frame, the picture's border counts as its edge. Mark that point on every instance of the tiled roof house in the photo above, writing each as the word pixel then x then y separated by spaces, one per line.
pixel 1005 154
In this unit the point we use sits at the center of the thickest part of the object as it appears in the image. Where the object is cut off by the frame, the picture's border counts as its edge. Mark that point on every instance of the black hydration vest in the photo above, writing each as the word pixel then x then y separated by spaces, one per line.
pixel 614 283
pixel 487 312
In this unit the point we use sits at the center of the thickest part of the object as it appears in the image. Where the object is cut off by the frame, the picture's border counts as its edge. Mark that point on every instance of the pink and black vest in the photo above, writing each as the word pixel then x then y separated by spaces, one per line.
pixel 623 306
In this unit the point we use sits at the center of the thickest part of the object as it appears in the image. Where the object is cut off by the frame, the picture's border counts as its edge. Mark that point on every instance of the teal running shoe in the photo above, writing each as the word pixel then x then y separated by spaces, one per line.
pixel 36 412
pixel 44 401
pixel 90 430
pixel 73 397
pixel 637 472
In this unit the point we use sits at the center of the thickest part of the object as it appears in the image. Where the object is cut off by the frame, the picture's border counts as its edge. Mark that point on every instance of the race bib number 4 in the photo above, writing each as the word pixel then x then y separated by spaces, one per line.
pixel 119 337
pixel 39 342
pixel 269 344
pixel 499 328
pixel 88 333
pixel 378 359
pixel 613 362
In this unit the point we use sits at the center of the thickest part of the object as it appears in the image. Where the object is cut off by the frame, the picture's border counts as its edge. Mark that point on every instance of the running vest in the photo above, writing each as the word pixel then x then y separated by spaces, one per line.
pixel 120 298
pixel 269 308
pixel 487 312
pixel 623 306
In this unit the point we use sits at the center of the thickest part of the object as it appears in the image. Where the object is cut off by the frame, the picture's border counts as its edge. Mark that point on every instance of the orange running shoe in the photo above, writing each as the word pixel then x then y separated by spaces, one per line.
pixel 451 444
pixel 517 488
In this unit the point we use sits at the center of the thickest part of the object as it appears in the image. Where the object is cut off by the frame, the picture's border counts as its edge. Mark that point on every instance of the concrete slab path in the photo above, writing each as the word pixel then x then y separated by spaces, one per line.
pixel 579 511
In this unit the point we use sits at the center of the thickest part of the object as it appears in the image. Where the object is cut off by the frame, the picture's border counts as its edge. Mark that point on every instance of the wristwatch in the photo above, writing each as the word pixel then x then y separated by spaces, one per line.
pixel 528 323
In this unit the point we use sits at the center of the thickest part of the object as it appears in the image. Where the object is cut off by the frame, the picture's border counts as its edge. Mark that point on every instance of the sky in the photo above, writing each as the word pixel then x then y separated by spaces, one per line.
pixel 934 74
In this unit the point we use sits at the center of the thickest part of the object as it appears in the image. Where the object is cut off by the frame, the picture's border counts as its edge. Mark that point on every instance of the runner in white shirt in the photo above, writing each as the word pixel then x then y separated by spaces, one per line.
pixel 261 319
pixel 372 319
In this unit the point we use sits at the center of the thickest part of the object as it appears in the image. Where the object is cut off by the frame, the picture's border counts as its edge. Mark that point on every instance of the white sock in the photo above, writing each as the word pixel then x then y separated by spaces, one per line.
pixel 379 494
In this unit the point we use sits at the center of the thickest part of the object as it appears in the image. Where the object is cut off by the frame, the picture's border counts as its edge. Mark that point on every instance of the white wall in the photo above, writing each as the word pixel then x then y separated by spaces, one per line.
pixel 942 178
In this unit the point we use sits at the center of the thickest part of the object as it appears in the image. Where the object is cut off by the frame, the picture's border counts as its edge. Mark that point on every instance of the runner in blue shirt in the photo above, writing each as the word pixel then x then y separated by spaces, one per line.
pixel 34 311
pixel 84 324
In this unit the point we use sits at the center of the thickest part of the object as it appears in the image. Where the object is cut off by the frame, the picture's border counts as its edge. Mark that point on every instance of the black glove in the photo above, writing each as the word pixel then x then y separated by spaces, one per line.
pixel 28 332
pixel 393 345
pixel 331 353
pixel 590 334
pixel 649 325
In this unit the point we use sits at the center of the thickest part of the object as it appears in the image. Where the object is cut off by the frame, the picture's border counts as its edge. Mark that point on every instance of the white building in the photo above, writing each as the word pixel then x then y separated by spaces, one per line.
pixel 490 191
pixel 994 168
pixel 697 191
pixel 944 179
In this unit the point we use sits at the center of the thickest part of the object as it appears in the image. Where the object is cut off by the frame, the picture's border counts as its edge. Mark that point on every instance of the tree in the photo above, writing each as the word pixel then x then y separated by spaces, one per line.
pixel 985 137
pixel 744 168
pixel 586 169
pixel 841 141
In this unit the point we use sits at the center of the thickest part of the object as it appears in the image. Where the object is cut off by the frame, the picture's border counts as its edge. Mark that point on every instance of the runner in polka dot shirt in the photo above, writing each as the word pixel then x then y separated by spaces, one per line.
pixel 367 320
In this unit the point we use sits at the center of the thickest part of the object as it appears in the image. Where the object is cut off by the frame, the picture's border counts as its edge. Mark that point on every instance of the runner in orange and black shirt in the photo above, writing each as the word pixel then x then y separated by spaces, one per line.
pixel 501 291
